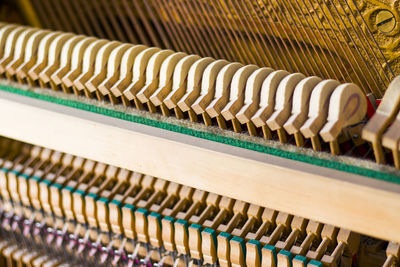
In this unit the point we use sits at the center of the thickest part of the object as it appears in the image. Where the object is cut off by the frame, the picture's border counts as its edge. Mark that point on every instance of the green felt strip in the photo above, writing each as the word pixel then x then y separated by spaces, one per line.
pixel 385 176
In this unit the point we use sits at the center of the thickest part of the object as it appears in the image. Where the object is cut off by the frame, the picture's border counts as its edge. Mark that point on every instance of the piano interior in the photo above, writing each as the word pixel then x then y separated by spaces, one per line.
pixel 199 133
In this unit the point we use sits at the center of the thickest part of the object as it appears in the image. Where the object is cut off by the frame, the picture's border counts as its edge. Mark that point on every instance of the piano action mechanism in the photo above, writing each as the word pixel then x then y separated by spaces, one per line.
pixel 199 133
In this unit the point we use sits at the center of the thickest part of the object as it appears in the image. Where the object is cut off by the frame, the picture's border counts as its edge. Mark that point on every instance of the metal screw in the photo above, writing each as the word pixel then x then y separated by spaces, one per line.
pixel 385 21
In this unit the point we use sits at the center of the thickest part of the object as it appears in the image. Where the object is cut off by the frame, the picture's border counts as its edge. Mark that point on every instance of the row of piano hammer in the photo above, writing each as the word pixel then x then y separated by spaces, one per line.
pixel 230 93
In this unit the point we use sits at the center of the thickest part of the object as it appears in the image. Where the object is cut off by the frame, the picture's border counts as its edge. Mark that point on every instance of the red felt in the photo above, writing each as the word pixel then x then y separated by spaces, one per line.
pixel 370 107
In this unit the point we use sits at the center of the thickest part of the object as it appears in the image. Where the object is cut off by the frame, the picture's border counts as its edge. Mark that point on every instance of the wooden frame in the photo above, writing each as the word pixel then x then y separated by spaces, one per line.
pixel 351 201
